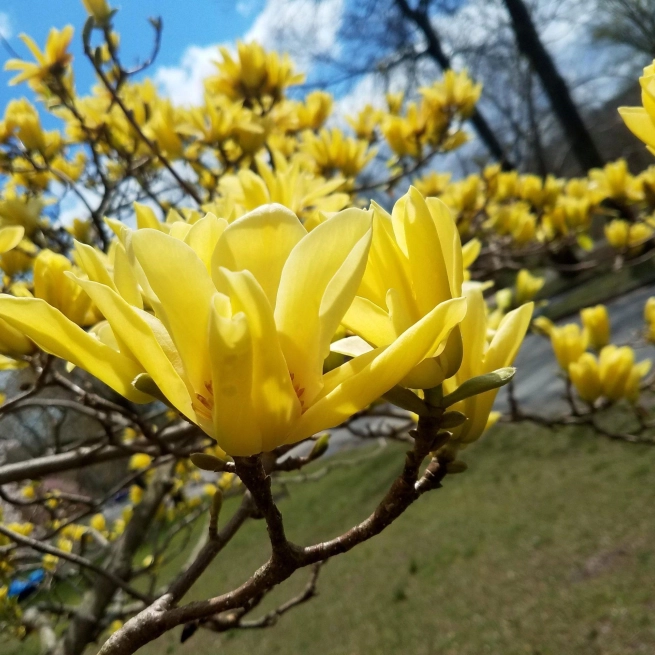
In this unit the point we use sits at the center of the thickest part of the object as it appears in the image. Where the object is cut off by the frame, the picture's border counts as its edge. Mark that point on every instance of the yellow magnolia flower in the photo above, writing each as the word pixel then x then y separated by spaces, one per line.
pixel 614 181
pixel 244 316
pixel 21 210
pixel 585 376
pixel 432 183
pixel 365 122
pixel 619 375
pixel 52 283
pixel 140 461
pixel 288 184
pixel 99 9
pixel 481 357
pixel 569 342
pixel 596 322
pixel 315 110
pixel 649 317
pixel 527 286
pixel 641 120
pixel 52 62
pixel 98 522
pixel 415 266
pixel 332 151
pixel 454 93
pixel 136 495
pixel 254 73
pixel 621 235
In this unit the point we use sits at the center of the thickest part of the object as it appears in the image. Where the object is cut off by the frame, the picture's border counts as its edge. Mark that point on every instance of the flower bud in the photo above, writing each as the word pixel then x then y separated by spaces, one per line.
pixel 596 322
pixel 585 376
pixel 527 286
pixel 207 462
pixel 480 384
pixel 569 342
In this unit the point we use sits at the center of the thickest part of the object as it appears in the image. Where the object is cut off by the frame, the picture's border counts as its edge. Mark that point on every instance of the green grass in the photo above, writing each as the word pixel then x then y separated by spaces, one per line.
pixel 544 546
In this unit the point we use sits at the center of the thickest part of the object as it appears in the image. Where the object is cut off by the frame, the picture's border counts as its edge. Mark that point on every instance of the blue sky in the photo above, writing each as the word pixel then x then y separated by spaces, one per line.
pixel 200 23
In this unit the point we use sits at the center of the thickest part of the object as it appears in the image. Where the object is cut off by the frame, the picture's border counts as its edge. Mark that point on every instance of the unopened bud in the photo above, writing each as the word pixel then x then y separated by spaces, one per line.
pixel 452 419
pixel 407 400
pixel 320 446
pixel 145 384
pixel 480 384
pixel 207 462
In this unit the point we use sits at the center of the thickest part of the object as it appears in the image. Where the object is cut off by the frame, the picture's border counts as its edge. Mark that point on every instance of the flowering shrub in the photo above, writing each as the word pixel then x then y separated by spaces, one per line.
pixel 229 290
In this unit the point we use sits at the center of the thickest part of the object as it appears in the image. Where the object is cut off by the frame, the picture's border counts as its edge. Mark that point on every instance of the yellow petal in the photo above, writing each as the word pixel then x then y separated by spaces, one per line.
pixel 370 322
pixel 387 265
pixel 356 384
pixel 273 400
pixel 318 284
pixel 184 291
pixel 425 254
pixel 508 338
pixel 89 260
pixel 124 278
pixel 451 244
pixel 135 335
pixel 230 351
pixel 260 242
pixel 639 123
pixel 10 237
pixel 55 334
pixel 203 237
pixel 146 217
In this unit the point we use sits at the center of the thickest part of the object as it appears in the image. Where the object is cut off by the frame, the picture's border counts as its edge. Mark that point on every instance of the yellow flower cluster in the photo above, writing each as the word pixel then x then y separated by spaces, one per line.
pixel 525 212
pixel 613 374
pixel 237 345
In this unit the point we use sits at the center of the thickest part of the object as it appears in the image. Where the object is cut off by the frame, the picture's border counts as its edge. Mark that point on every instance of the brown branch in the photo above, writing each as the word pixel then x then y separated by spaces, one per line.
pixel 286 558
pixel 152 145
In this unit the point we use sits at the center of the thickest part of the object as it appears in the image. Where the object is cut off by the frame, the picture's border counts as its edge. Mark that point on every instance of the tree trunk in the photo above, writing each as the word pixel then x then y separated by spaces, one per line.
pixel 530 45
pixel 421 19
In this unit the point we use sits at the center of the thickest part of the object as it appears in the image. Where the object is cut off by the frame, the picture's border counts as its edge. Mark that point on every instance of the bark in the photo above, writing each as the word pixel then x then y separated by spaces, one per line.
pixel 531 46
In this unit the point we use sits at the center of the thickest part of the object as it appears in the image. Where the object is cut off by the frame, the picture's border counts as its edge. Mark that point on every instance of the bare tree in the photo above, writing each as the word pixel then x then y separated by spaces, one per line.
pixel 557 90
pixel 626 22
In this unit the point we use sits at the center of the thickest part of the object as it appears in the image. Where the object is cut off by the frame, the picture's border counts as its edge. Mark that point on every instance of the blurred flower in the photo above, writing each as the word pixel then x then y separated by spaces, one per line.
pixel 596 321
pixel 527 286
pixel 51 63
pixel 585 376
pixel 569 342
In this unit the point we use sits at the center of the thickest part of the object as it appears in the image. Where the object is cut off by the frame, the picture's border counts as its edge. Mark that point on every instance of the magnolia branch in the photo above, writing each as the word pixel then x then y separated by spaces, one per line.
pixel 287 557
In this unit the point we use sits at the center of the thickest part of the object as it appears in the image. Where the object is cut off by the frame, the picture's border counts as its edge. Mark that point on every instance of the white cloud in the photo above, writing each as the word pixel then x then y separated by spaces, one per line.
pixel 305 28
pixel 183 83
pixel 5 26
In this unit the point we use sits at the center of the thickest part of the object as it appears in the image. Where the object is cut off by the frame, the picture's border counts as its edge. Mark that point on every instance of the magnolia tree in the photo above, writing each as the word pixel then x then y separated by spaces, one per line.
pixel 229 291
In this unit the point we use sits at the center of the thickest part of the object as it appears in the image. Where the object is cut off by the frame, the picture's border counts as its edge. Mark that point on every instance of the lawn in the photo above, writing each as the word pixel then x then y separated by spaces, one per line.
pixel 544 546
